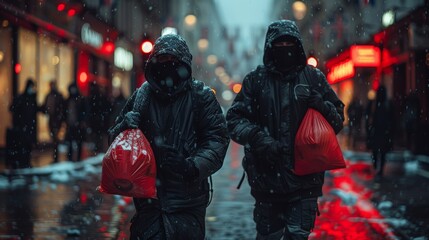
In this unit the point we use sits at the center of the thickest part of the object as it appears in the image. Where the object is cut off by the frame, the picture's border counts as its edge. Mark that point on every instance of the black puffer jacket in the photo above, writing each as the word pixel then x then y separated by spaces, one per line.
pixel 275 103
pixel 190 119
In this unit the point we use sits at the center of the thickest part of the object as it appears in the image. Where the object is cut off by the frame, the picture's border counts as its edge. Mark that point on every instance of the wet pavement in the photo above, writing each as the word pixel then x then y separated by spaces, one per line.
pixel 65 204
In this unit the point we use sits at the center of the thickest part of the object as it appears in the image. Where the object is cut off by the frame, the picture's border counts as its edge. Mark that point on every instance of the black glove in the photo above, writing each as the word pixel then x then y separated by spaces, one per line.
pixel 132 119
pixel 176 162
pixel 265 146
pixel 315 100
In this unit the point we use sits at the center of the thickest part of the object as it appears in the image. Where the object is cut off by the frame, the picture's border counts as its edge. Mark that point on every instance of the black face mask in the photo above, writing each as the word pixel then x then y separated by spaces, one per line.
pixel 169 75
pixel 284 57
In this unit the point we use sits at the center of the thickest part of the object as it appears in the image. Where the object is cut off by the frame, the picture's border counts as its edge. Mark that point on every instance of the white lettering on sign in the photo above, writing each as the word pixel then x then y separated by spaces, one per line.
pixel 91 37
pixel 123 59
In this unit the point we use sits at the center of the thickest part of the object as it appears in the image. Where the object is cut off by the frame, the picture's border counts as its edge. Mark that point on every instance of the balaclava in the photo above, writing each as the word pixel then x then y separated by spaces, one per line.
pixel 170 75
pixel 168 69
pixel 285 57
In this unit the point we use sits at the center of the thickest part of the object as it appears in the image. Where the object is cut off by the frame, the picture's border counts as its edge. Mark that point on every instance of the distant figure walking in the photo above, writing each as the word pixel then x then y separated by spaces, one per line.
pixel 97 107
pixel 412 120
pixel 54 108
pixel 355 112
pixel 23 135
pixel 75 120
pixel 379 125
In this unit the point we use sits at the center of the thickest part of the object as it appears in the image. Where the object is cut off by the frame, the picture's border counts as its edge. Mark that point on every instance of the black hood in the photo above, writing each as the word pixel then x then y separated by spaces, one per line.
pixel 176 46
pixel 279 29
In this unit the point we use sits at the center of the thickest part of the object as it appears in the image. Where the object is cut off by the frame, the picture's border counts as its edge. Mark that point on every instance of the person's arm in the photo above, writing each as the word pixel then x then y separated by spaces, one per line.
pixel 120 124
pixel 213 139
pixel 332 108
pixel 241 115
pixel 43 108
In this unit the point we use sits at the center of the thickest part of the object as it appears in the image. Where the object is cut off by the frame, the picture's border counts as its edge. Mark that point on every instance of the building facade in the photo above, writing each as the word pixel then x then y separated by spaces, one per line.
pixel 71 42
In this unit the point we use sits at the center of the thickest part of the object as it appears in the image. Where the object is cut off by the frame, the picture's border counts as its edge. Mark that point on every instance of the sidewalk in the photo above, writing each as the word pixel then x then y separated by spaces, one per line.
pixel 394 207
pixel 42 157
pixel 401 195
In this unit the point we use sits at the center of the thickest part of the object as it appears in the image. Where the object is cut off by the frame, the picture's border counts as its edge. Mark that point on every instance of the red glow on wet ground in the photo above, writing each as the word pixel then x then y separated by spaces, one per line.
pixel 346 209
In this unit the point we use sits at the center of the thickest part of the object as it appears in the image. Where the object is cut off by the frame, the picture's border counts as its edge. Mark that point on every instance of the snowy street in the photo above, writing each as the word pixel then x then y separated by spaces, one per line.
pixel 64 204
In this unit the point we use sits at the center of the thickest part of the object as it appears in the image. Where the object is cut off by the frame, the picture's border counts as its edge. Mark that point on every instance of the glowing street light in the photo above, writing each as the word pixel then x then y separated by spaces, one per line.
pixel 312 61
pixel 190 20
pixel 299 9
pixel 203 44
pixel 211 59
pixel 146 46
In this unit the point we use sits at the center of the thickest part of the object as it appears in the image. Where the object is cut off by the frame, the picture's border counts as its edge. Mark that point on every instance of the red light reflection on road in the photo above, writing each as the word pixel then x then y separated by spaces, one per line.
pixel 346 209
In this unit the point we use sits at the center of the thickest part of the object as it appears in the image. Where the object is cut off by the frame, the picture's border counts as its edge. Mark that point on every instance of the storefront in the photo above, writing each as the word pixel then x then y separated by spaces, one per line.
pixel 5 78
pixel 405 62
pixel 123 77
pixel 95 54
pixel 46 43
pixel 398 58
pixel 353 73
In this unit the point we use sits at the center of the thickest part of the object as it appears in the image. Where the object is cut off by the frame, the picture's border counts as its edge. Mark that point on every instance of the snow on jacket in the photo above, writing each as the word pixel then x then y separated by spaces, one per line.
pixel 189 119
pixel 276 103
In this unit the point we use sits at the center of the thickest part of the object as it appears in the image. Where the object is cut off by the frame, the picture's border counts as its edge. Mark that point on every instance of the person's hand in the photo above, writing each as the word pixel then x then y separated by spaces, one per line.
pixel 177 162
pixel 132 119
pixel 266 147
pixel 315 100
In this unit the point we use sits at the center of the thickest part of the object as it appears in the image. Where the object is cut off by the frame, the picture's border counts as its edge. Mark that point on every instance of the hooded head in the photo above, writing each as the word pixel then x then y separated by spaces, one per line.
pixel 168 69
pixel 283 46
pixel 73 90
pixel 30 87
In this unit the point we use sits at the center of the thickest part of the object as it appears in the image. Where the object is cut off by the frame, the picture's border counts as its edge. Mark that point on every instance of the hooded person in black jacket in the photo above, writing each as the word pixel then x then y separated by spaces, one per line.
pixel 187 131
pixel 265 117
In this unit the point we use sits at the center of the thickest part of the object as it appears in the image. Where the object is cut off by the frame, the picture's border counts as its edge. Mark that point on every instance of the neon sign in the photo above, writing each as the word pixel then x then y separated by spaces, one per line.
pixel 123 59
pixel 341 71
pixel 91 37
pixel 365 56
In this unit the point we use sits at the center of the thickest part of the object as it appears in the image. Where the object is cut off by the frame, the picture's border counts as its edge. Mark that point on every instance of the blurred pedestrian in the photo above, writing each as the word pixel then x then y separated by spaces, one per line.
pixel 23 135
pixel 97 107
pixel 75 120
pixel 412 120
pixel 380 124
pixel 355 112
pixel 265 117
pixel 186 128
pixel 54 108
pixel 118 102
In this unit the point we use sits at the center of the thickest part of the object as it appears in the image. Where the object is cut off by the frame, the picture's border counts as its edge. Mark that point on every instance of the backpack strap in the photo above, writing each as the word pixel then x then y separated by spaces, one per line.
pixel 241 180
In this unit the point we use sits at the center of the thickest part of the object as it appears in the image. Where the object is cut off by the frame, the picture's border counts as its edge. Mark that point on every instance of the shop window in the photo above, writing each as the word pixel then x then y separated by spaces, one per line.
pixel 27 57
pixel 44 60
pixel 5 83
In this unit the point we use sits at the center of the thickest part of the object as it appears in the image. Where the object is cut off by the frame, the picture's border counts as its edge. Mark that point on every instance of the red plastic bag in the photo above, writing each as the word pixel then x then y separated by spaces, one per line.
pixel 316 146
pixel 129 167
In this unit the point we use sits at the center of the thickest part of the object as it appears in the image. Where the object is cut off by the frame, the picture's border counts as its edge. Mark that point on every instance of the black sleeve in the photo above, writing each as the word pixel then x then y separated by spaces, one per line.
pixel 241 116
pixel 213 135
pixel 335 114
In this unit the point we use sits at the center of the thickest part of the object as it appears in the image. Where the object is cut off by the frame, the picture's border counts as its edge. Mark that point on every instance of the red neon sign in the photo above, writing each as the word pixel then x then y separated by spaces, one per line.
pixel 18 68
pixel 71 12
pixel 61 7
pixel 83 77
pixel 365 56
pixel 341 71
pixel 108 47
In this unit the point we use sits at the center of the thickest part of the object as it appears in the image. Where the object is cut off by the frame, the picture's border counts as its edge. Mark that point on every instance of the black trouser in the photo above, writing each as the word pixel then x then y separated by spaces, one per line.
pixel 150 222
pixel 378 160
pixel 291 220
pixel 74 134
pixel 55 141
pixel 18 148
